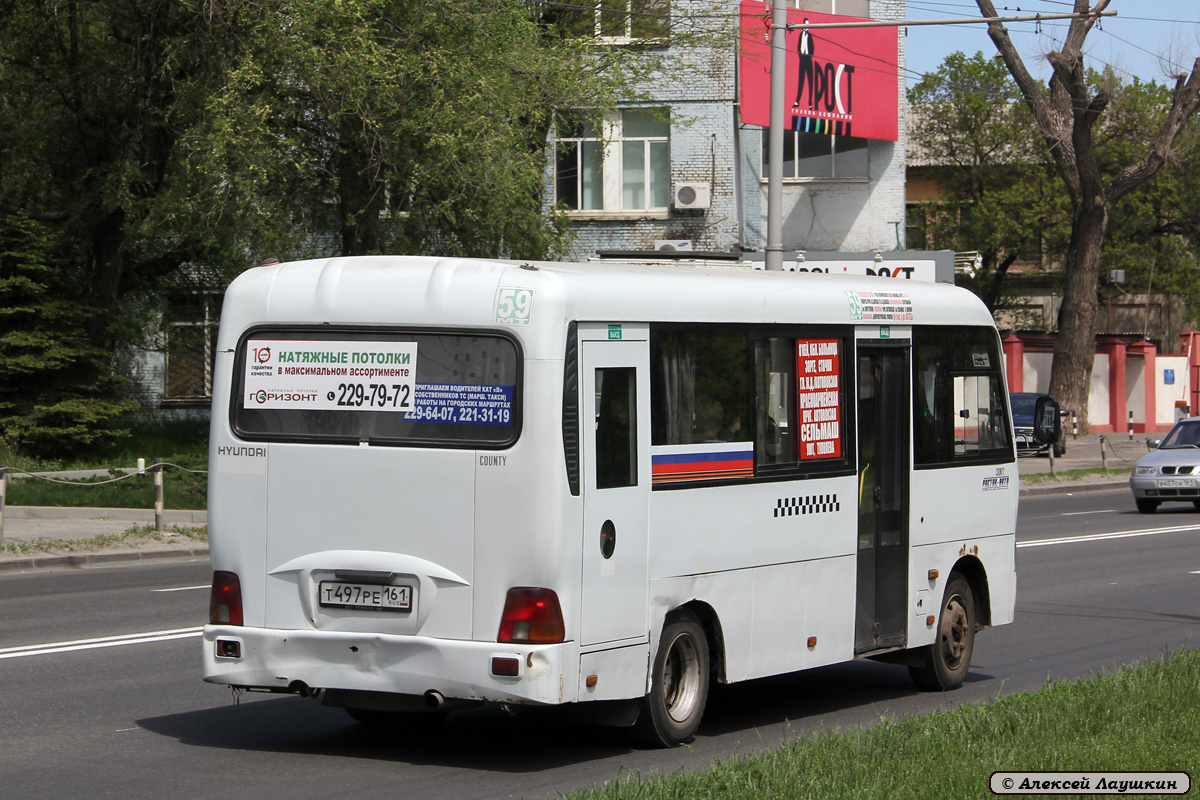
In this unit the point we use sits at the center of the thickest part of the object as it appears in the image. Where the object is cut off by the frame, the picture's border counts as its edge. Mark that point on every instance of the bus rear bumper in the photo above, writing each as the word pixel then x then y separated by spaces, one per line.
pixel 304 661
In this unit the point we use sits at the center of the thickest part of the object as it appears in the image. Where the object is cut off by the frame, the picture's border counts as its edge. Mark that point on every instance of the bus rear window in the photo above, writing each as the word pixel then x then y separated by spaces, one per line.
pixel 383 387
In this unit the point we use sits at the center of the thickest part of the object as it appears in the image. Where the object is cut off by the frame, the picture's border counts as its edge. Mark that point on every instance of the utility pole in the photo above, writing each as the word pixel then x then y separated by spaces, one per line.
pixel 779 28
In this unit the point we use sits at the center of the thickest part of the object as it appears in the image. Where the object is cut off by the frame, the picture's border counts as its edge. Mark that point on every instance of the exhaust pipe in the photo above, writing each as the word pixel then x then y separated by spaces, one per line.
pixel 434 699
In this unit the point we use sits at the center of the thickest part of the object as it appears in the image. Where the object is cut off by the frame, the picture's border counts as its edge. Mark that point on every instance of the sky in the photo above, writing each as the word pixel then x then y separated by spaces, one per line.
pixel 1133 42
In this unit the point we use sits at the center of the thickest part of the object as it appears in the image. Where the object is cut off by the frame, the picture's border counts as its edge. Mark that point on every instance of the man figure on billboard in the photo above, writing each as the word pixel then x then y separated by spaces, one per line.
pixel 806 68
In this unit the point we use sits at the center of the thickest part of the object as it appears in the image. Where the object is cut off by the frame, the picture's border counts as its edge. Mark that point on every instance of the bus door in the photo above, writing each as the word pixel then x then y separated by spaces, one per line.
pixel 883 469
pixel 615 431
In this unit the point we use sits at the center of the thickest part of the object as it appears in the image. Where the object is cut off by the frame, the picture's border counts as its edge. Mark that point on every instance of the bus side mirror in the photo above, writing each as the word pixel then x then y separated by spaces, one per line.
pixel 1047 426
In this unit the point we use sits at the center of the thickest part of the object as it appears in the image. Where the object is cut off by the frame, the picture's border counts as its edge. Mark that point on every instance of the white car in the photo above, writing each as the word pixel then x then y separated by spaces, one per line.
pixel 1170 473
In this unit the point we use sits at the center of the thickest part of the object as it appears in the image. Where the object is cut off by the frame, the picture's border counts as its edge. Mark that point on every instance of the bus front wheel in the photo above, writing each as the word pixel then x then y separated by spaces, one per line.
pixel 671 713
pixel 947 660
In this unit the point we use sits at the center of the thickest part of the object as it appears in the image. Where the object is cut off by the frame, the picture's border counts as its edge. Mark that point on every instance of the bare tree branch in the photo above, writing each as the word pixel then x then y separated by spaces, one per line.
pixel 1184 102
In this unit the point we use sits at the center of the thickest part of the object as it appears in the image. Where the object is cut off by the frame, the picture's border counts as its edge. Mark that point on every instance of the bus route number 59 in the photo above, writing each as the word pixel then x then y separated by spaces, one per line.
pixel 513 306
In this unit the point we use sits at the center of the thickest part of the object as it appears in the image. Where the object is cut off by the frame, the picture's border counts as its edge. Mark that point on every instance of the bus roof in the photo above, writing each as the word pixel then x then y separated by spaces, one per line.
pixel 415 290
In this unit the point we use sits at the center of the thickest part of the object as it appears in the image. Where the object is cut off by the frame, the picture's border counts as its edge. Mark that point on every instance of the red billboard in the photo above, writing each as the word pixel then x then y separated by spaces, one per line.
pixel 842 81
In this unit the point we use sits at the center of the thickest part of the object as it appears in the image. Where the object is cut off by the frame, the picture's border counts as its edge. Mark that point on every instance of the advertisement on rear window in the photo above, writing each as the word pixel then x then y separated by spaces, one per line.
pixel 330 375
pixel 462 404
pixel 819 392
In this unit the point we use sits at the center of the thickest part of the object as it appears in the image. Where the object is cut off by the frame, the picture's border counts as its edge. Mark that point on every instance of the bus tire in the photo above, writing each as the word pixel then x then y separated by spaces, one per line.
pixel 947 660
pixel 671 712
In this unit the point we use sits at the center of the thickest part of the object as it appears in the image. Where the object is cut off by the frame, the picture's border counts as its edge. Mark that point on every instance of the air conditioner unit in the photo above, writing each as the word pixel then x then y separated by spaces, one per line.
pixel 692 195
pixel 672 245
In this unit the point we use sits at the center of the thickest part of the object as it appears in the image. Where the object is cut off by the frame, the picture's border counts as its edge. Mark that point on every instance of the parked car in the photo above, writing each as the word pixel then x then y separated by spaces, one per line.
pixel 1023 405
pixel 1171 472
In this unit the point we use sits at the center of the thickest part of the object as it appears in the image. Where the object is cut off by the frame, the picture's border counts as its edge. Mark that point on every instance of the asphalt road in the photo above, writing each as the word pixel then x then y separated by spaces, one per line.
pixel 1099 586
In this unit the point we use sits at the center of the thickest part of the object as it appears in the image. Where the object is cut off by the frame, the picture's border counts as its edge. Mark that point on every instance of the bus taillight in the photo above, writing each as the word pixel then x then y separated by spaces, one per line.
pixel 532 616
pixel 225 602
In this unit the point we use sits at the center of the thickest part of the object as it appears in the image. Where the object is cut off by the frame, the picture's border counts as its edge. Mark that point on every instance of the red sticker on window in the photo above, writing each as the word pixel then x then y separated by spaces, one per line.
pixel 819 395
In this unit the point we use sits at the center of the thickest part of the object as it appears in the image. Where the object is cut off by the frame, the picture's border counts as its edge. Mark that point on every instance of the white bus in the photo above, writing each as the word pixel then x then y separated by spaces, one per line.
pixel 437 482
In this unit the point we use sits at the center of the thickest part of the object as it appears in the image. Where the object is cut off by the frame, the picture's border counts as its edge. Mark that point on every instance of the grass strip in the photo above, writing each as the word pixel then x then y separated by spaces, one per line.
pixel 180 490
pixel 133 537
pixel 1068 475
pixel 1139 718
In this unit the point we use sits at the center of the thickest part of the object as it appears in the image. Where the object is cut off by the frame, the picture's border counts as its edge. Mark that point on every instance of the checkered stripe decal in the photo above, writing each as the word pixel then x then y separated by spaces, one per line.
pixel 809 504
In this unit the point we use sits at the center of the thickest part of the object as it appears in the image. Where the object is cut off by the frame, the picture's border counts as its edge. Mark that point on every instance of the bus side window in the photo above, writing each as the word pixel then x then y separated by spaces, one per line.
pixel 958 396
pixel 616 427
pixel 933 431
pixel 775 366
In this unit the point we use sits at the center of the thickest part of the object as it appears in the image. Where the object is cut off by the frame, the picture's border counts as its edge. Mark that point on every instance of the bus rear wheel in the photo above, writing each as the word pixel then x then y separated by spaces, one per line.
pixel 671 713
pixel 947 660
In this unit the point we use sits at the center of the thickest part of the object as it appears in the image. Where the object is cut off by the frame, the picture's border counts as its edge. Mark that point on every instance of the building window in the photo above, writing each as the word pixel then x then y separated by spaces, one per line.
pixel 846 8
pixel 579 166
pixel 820 155
pixel 1031 251
pixel 191 333
pixel 915 226
pixel 616 20
pixel 621 164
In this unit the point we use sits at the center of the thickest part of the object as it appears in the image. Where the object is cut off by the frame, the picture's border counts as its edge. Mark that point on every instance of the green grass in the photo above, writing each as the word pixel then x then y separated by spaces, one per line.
pixel 181 442
pixel 133 537
pixel 1140 718
pixel 181 490
pixel 1064 475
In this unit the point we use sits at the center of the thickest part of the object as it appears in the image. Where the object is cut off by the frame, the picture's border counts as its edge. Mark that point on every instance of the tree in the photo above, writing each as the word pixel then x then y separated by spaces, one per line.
pixel 391 126
pixel 155 141
pixel 57 393
pixel 998 194
pixel 1154 232
pixel 1066 115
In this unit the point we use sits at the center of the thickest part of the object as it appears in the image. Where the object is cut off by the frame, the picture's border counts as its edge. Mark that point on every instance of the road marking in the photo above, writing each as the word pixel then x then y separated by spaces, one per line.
pixel 183 588
pixel 1081 513
pixel 103 641
pixel 1097 537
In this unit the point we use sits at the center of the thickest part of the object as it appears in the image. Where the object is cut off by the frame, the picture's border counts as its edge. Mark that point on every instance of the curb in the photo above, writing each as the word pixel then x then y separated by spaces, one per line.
pixel 97 559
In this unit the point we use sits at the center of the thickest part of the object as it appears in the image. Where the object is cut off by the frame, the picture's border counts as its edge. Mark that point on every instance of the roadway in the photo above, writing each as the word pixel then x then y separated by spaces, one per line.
pixel 102 696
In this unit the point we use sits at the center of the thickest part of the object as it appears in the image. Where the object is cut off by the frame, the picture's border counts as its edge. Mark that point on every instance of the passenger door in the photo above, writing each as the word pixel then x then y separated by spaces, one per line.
pixel 615 424
pixel 883 469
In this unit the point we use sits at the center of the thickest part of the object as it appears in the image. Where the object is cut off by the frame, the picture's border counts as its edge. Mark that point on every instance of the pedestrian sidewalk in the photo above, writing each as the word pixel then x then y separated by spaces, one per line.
pixel 27 524
pixel 1117 451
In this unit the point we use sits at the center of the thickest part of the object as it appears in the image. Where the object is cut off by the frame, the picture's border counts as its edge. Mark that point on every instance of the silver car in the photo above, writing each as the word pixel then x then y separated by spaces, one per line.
pixel 1172 471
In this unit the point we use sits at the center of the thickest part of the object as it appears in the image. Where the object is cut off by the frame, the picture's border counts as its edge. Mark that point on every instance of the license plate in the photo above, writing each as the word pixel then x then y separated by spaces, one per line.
pixel 365 596
pixel 1175 483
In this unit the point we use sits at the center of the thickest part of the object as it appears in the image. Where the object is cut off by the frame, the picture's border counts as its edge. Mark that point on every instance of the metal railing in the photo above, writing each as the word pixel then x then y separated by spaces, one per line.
pixel 156 469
